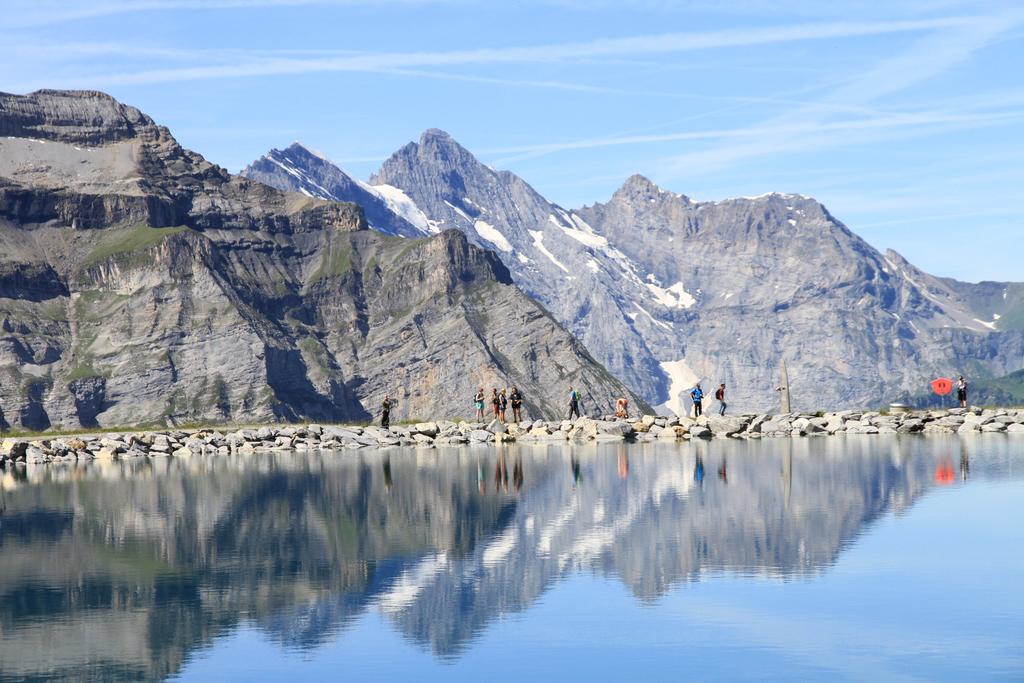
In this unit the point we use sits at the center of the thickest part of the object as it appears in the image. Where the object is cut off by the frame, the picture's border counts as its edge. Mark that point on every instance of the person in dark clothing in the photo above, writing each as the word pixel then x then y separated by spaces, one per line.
pixel 517 405
pixel 720 397
pixel 385 412
pixel 504 405
pixel 961 391
pixel 697 396
pixel 495 402
pixel 574 403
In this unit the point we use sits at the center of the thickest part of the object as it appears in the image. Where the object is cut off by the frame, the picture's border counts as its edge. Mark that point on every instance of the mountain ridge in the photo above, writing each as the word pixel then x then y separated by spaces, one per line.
pixel 659 285
pixel 140 283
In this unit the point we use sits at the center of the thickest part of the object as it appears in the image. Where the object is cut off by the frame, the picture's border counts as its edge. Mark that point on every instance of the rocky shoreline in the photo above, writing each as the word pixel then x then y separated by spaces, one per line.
pixel 214 441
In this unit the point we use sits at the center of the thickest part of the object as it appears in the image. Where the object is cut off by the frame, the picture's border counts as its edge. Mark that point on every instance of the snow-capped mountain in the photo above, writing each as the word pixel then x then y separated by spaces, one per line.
pixel 666 291
pixel 298 168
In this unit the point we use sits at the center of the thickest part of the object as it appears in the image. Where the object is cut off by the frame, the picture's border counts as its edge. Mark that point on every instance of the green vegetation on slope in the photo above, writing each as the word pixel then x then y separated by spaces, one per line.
pixel 128 240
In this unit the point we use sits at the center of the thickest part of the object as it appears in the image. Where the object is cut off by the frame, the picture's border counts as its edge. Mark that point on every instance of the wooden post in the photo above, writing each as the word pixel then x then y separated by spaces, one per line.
pixel 784 388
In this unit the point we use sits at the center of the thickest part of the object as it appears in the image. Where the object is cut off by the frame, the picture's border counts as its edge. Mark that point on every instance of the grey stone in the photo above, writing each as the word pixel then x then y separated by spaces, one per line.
pixel 700 432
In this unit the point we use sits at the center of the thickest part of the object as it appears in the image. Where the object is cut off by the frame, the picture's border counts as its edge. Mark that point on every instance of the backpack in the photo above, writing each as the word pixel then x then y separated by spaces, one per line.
pixel 720 394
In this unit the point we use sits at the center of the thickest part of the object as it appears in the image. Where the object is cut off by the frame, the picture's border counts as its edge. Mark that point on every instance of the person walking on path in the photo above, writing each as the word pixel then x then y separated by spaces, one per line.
pixel 697 396
pixel 385 412
pixel 574 403
pixel 504 405
pixel 961 391
pixel 517 405
pixel 720 397
pixel 495 402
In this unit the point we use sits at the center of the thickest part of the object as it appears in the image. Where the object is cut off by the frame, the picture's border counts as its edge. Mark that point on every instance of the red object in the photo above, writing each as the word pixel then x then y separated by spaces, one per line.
pixel 942 386
pixel 944 474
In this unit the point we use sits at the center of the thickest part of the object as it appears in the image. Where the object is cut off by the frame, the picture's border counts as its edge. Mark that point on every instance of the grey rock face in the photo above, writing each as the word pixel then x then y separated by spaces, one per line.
pixel 586 283
pixel 152 286
pixel 666 291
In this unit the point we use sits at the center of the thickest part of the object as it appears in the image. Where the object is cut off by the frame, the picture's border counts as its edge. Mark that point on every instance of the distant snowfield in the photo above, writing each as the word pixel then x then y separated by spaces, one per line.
pixel 401 204
pixel 680 378
pixel 671 297
pixel 492 235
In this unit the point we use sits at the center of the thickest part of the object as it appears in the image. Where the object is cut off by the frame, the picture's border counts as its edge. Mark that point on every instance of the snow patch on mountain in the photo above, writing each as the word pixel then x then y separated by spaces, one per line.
pixel 459 211
pixel 401 204
pixel 576 231
pixel 680 378
pixel 538 244
pixel 671 297
pixel 492 235
pixel 640 309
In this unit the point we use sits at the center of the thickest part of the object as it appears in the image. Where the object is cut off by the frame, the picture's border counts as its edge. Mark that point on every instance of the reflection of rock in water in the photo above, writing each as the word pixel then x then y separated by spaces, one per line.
pixel 138 572
pixel 135 573
pixel 779 513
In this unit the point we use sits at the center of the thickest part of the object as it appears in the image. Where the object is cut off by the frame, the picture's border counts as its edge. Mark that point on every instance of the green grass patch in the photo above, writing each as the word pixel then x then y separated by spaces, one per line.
pixel 336 261
pixel 130 240
pixel 83 371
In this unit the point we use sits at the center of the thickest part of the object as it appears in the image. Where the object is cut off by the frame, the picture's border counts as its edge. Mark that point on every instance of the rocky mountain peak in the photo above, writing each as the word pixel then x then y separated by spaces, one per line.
pixel 83 117
pixel 640 188
pixel 435 149
pixel 436 136
pixel 639 183
pixel 301 148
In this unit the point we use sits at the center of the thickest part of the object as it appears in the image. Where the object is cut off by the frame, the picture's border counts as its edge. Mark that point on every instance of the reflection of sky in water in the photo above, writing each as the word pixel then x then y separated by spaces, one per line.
pixel 804 558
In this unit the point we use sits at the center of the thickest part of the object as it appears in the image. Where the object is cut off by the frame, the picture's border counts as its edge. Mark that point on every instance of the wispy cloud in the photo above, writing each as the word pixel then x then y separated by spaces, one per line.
pixel 927 57
pixel 814 125
pixel 773 131
pixel 609 47
pixel 28 13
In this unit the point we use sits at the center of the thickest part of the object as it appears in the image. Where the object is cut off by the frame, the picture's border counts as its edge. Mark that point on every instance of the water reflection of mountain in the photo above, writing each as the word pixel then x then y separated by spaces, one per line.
pixel 122 570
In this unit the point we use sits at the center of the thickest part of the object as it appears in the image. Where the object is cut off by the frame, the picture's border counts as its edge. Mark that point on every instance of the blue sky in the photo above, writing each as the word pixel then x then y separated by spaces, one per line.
pixel 905 118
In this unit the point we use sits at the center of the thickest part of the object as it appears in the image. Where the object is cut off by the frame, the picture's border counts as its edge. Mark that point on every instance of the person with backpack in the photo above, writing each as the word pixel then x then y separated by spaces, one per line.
pixel 478 401
pixel 961 391
pixel 697 396
pixel 720 397
pixel 504 405
pixel 495 402
pixel 517 405
pixel 385 412
pixel 574 403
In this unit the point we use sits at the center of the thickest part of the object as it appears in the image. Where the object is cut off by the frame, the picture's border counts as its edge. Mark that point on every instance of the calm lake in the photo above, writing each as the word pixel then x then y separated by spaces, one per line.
pixel 856 558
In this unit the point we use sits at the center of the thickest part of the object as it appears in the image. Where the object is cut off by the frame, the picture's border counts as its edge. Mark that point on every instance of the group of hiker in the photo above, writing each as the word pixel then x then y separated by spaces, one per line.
pixel 697 396
pixel 500 401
